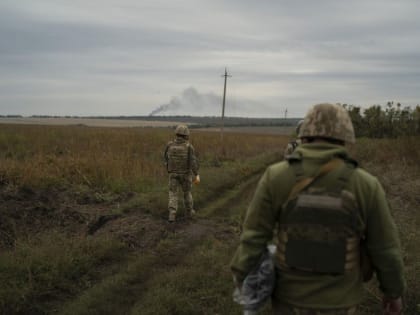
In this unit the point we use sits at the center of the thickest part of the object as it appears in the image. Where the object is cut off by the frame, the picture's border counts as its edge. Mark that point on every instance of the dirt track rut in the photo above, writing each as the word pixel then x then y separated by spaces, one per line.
pixel 131 283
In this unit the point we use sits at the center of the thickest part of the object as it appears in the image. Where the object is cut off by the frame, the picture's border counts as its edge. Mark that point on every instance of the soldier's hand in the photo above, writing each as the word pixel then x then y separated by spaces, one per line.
pixel 196 179
pixel 392 306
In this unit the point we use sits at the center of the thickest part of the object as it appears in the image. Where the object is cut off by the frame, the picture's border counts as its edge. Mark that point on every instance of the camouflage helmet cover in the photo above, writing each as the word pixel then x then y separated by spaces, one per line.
pixel 328 121
pixel 182 130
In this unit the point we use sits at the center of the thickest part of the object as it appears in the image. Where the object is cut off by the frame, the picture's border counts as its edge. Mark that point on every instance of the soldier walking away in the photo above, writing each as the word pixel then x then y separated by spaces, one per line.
pixel 182 166
pixel 331 222
pixel 292 145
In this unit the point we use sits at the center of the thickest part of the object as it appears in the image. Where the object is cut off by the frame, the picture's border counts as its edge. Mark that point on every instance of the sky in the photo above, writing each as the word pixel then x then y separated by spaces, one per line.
pixel 141 57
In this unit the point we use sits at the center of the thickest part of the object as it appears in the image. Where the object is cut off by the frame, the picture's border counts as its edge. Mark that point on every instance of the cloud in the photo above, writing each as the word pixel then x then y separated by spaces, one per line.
pixel 127 57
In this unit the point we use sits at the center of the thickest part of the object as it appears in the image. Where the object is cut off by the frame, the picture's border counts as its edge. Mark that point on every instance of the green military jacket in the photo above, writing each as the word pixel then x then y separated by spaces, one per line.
pixel 311 290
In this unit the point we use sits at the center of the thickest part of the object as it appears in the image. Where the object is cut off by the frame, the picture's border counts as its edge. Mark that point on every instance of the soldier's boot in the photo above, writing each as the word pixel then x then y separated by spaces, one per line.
pixel 172 215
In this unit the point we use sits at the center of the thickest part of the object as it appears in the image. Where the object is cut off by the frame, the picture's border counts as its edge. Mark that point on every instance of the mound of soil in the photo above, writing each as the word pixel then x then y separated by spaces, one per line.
pixel 26 212
pixel 138 231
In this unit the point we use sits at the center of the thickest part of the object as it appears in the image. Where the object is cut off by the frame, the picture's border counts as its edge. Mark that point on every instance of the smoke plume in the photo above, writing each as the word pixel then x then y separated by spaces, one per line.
pixel 191 102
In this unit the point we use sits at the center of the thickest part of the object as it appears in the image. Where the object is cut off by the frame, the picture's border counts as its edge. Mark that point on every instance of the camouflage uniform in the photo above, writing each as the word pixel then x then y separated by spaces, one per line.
pixel 181 164
pixel 322 226
pixel 292 145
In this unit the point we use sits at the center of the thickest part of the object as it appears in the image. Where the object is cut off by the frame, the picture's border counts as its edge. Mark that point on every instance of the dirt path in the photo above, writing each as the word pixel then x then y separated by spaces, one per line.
pixel 158 247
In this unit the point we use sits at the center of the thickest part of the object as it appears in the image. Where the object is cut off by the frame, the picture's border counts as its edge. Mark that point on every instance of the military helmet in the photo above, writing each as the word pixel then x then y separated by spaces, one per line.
pixel 182 130
pixel 328 121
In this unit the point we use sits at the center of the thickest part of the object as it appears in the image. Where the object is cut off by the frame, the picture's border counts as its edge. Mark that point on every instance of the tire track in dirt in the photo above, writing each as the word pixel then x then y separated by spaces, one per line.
pixel 177 240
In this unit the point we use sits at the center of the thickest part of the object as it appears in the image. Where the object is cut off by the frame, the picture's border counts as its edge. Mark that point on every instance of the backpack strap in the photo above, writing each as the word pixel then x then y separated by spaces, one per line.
pixel 303 182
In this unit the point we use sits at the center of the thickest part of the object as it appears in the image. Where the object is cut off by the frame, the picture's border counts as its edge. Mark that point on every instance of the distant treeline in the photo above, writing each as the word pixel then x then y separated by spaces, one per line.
pixel 389 121
pixel 392 121
pixel 211 121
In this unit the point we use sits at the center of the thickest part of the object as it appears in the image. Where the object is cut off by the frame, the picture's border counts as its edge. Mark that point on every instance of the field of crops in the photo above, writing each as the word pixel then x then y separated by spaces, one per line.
pixel 83 218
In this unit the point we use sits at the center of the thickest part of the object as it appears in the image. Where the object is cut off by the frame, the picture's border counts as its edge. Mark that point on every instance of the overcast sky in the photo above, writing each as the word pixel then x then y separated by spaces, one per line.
pixel 136 57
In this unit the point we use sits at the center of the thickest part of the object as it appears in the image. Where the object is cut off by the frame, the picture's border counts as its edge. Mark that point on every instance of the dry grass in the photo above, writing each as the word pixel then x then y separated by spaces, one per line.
pixel 395 163
pixel 117 160
pixel 92 122
pixel 107 158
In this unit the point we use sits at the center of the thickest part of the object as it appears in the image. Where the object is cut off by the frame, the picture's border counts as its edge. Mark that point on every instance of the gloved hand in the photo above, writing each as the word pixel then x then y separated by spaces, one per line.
pixel 392 306
pixel 196 179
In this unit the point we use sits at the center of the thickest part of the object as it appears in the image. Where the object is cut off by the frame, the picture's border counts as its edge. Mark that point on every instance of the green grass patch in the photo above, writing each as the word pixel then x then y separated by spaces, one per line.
pixel 118 292
pixel 40 272
pixel 202 284
pixel 114 293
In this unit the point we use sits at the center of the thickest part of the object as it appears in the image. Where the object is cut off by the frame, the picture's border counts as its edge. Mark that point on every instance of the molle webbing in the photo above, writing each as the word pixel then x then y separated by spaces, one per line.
pixel 314 258
pixel 179 158
pixel 319 228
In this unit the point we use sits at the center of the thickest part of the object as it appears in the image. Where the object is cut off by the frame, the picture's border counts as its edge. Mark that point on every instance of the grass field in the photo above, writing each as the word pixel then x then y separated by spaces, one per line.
pixel 83 218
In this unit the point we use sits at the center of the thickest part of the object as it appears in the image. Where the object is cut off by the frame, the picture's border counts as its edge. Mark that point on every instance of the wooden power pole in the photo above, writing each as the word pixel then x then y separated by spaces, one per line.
pixel 226 75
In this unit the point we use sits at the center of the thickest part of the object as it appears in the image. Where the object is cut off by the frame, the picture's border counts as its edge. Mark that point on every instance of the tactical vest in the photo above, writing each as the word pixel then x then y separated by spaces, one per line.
pixel 320 226
pixel 179 156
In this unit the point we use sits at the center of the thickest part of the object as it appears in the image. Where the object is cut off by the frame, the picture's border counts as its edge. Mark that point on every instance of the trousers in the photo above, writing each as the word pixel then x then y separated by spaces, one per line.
pixel 183 182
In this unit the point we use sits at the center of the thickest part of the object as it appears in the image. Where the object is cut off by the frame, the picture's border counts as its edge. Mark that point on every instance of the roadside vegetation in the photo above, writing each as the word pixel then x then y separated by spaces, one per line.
pixel 395 163
pixel 391 121
pixel 83 218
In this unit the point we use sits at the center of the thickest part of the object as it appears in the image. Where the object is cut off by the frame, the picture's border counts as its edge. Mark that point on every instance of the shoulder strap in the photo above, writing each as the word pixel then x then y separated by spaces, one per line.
pixel 304 182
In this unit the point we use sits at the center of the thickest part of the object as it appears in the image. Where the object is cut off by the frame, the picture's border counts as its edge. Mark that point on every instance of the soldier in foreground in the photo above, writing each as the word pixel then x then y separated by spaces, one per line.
pixel 182 165
pixel 326 212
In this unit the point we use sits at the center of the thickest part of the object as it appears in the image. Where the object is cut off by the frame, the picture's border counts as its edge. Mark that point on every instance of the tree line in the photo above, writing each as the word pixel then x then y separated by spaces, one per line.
pixel 391 121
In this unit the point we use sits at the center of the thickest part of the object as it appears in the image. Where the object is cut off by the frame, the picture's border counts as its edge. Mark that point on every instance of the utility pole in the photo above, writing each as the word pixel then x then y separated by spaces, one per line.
pixel 226 75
